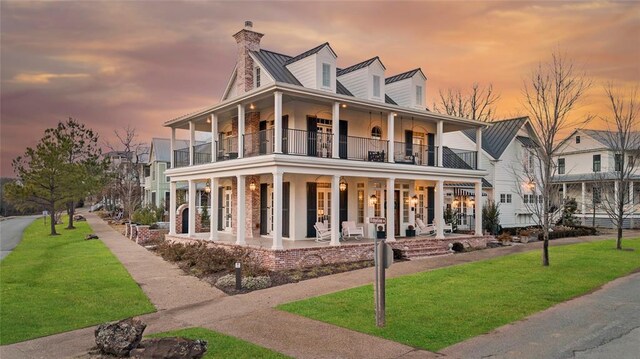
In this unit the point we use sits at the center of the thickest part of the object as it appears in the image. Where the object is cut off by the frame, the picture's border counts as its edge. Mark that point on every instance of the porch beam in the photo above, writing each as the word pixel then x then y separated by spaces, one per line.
pixel 335 211
pixel 240 131
pixel 172 208
pixel 277 120
pixel 335 130
pixel 391 210
pixel 478 209
pixel 192 140
pixel 192 208
pixel 240 210
pixel 214 137
pixel 439 211
pixel 213 219
pixel 391 136
pixel 277 211
pixel 439 130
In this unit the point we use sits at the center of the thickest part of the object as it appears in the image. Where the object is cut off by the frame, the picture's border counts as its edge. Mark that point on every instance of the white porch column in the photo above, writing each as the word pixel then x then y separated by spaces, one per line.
pixel 439 130
pixel 214 137
pixel 391 136
pixel 173 147
pixel 584 202
pixel 213 219
pixel 277 121
pixel 192 141
pixel 192 208
pixel 335 129
pixel 277 211
pixel 335 211
pixel 564 191
pixel 478 201
pixel 478 146
pixel 391 220
pixel 439 210
pixel 240 131
pixel 240 211
pixel 172 207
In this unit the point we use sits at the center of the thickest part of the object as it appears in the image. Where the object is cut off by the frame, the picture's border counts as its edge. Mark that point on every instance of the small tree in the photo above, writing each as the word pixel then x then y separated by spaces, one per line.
pixel 569 208
pixel 491 217
pixel 451 217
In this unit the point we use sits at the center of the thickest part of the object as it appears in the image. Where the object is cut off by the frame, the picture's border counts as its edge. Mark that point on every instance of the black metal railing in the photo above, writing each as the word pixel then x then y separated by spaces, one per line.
pixel 258 143
pixel 363 149
pixel 307 143
pixel 202 153
pixel 462 159
pixel 181 157
pixel 227 148
pixel 409 153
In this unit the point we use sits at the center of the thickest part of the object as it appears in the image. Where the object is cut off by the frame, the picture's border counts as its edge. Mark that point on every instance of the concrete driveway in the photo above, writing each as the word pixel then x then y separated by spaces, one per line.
pixel 11 232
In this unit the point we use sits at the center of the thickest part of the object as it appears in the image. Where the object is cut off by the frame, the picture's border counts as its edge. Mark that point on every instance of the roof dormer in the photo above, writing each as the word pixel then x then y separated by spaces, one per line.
pixel 365 79
pixel 315 68
pixel 408 89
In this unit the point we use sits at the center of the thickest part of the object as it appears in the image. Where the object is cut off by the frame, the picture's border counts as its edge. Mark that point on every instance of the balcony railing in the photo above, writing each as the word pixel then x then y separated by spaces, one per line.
pixel 306 143
pixel 363 149
pixel 462 159
pixel 181 157
pixel 227 148
pixel 202 153
pixel 259 143
pixel 414 154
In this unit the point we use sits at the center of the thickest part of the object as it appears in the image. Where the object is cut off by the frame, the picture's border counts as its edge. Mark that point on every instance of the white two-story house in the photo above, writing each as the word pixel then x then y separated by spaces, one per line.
pixel 506 149
pixel 299 140
pixel 586 164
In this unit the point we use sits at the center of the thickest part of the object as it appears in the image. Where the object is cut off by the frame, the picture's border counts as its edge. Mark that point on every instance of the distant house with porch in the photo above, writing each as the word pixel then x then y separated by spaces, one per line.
pixel 298 142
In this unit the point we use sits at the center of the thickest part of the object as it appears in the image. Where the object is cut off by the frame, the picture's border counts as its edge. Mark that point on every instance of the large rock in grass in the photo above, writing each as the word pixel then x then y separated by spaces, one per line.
pixel 119 338
pixel 170 348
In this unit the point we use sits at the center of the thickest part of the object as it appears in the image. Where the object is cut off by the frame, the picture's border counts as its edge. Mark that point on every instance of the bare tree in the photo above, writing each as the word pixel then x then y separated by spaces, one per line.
pixel 477 104
pixel 551 93
pixel 623 139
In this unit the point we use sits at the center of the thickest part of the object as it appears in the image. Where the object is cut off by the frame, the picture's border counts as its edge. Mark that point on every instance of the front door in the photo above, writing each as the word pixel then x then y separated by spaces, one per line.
pixel 185 220
pixel 228 211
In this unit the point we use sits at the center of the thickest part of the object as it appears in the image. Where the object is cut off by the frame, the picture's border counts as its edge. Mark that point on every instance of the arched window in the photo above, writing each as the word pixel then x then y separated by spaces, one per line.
pixel 376 133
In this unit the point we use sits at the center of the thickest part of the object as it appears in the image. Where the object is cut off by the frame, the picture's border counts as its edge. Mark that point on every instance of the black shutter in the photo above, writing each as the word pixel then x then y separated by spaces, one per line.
pixel 286 188
pixel 264 210
pixel 344 132
pixel 344 208
pixel 312 208
pixel 430 204
pixel 408 143
pixel 220 208
pixel 431 154
pixel 285 134
pixel 262 128
pixel 312 137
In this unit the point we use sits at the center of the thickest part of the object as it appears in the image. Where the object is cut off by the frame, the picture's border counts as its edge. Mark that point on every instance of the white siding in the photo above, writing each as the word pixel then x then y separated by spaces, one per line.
pixel 356 82
pixel 400 92
pixel 325 56
pixel 376 69
pixel 305 71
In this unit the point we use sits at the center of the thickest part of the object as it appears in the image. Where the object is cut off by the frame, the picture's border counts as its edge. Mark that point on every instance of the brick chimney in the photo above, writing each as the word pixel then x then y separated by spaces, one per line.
pixel 248 40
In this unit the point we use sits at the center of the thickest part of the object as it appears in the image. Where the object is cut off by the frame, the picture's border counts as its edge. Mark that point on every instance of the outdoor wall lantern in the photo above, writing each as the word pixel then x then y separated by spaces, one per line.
pixel 252 185
pixel 343 185
pixel 373 200
pixel 414 202
pixel 207 188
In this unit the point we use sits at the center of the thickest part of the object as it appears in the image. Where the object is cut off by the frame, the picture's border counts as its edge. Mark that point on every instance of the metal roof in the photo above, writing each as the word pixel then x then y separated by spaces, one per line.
pixel 162 148
pixel 592 176
pixel 358 66
pixel 274 63
pixel 389 100
pixel 342 90
pixel 308 53
pixel 451 160
pixel 527 141
pixel 498 135
pixel 485 184
pixel 404 75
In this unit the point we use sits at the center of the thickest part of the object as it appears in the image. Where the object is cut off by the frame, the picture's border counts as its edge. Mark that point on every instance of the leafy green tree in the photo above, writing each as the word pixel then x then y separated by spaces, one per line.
pixel 491 217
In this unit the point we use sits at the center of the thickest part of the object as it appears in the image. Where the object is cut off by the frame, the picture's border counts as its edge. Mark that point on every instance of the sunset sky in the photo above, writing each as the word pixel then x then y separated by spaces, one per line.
pixel 109 64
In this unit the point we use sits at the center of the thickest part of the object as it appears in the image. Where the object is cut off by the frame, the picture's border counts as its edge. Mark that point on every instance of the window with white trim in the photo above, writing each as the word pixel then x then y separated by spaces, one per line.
pixel 326 75
pixel 376 86
pixel 418 95
pixel 360 217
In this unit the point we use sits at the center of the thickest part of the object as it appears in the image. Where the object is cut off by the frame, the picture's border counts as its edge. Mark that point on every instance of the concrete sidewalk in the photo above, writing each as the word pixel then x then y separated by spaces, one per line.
pixel 184 301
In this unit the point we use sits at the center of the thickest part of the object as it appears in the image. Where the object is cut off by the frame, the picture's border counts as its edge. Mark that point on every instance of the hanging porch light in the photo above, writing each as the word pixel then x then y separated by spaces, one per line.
pixel 343 185
pixel 207 188
pixel 252 185
pixel 373 200
pixel 414 201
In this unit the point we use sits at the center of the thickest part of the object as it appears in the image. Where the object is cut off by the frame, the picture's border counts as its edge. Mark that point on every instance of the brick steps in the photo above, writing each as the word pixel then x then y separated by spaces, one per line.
pixel 418 250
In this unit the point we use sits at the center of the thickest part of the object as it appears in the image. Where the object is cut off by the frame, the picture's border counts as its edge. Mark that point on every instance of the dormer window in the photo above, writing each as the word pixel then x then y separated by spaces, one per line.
pixel 257 77
pixel 326 75
pixel 418 95
pixel 376 86
pixel 577 139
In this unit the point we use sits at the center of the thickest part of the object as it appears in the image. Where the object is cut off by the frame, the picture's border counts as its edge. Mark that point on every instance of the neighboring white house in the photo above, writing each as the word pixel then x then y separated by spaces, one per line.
pixel 586 163
pixel 156 183
pixel 506 146
pixel 297 141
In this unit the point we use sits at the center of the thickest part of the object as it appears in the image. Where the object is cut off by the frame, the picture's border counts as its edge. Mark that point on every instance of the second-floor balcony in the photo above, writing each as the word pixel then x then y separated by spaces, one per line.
pixel 320 144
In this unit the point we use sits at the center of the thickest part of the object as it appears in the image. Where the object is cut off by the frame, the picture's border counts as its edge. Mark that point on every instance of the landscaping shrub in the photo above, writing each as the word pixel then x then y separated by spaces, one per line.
pixel 147 215
pixel 226 281
pixel 491 217
pixel 255 283
pixel 504 237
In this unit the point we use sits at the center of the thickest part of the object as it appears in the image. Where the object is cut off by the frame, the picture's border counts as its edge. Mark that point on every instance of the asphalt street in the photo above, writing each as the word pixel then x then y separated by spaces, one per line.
pixel 11 232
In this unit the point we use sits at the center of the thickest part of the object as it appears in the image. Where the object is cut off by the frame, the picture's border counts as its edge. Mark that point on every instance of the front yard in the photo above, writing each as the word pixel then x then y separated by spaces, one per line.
pixel 438 308
pixel 55 284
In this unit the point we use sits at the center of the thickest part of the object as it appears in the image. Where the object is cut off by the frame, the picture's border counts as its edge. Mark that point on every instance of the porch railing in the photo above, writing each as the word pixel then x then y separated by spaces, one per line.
pixel 202 153
pixel 259 143
pixel 409 153
pixel 363 149
pixel 181 157
pixel 227 148
pixel 307 143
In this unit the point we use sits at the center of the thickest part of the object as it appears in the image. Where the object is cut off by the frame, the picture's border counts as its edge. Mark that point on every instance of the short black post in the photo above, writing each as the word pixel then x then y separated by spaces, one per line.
pixel 238 276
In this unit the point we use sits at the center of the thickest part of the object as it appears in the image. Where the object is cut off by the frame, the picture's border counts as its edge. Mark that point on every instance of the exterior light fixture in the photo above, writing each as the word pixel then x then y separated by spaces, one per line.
pixel 208 119
pixel 373 200
pixel 395 114
pixel 343 185
pixel 252 185
pixel 414 201
pixel 344 105
pixel 252 107
pixel 207 188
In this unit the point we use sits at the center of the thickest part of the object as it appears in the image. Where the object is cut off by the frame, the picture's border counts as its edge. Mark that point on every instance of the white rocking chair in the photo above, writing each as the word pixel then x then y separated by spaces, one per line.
pixel 323 234
pixel 349 229
pixel 424 229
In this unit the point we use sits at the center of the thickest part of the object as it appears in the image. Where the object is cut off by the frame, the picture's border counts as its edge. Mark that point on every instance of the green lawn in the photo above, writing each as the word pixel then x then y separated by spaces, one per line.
pixel 435 309
pixel 222 346
pixel 54 284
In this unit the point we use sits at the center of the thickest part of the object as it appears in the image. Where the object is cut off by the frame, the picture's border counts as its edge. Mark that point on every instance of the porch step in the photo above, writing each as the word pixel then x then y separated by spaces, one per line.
pixel 425 250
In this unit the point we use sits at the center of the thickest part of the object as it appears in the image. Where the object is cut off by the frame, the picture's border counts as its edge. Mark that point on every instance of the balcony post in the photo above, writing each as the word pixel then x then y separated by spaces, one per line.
pixel 478 209
pixel 172 207
pixel 391 210
pixel 173 147
pixel 390 135
pixel 213 219
pixel 335 130
pixel 277 211
pixel 192 208
pixel 439 210
pixel 439 130
pixel 240 131
pixel 214 137
pixel 192 140
pixel 240 210
pixel 277 121
pixel 478 146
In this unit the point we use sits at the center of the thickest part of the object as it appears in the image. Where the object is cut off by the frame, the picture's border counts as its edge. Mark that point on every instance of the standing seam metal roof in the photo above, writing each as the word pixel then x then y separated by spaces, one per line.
pixel 308 53
pixel 358 66
pixel 402 76
pixel 497 137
